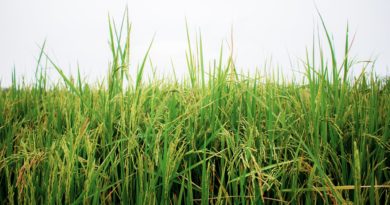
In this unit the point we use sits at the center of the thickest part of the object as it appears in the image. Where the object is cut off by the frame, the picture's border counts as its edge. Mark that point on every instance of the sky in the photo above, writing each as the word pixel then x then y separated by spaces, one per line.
pixel 278 31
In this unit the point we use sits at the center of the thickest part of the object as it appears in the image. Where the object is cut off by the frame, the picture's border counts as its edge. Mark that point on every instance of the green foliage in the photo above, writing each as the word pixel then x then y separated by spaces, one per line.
pixel 221 138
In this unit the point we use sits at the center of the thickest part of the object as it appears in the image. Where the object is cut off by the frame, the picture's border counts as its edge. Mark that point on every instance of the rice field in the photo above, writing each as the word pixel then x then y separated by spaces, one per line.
pixel 217 137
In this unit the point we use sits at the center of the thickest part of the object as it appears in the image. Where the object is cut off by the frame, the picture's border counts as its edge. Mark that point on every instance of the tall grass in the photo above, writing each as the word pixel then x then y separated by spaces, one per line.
pixel 218 137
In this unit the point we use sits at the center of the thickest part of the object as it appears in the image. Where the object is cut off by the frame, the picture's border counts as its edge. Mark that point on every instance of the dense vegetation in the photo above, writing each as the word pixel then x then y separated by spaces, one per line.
pixel 219 137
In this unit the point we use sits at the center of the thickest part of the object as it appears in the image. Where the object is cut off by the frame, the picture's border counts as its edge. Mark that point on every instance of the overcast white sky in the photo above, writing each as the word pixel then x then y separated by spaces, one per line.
pixel 77 31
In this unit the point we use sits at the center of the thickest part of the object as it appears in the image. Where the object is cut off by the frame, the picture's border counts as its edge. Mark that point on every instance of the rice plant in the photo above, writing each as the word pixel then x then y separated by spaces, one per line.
pixel 216 137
